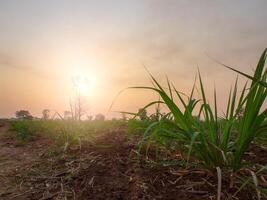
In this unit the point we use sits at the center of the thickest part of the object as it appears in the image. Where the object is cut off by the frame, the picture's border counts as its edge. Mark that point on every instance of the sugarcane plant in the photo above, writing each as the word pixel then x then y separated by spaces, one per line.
pixel 214 140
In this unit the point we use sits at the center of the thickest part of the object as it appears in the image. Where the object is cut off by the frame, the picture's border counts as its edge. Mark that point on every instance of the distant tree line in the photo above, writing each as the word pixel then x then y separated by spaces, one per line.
pixel 46 114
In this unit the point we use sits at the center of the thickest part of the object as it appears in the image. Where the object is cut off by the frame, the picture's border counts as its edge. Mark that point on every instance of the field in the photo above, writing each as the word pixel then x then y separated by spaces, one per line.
pixel 106 165
pixel 133 100
pixel 190 152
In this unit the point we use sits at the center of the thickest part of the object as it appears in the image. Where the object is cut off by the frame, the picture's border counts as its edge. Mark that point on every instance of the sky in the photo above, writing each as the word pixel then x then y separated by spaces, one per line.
pixel 45 45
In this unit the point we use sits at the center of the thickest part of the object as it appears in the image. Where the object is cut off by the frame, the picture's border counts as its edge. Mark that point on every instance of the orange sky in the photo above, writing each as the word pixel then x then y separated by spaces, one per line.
pixel 45 44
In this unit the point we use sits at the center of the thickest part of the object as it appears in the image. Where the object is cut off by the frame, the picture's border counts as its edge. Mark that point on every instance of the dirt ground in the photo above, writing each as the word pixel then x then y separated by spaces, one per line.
pixel 106 169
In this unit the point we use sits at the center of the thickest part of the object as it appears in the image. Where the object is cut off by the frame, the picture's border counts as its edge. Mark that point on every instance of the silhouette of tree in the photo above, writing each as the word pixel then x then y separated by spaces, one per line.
pixel 23 114
pixel 89 117
pixel 77 104
pixel 67 114
pixel 100 117
pixel 46 114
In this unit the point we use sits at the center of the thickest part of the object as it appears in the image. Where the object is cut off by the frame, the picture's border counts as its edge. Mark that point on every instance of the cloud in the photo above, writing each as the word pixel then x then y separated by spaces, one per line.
pixel 10 62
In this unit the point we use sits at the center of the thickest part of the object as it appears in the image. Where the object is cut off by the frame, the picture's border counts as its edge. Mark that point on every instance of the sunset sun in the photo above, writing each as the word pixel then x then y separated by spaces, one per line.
pixel 84 84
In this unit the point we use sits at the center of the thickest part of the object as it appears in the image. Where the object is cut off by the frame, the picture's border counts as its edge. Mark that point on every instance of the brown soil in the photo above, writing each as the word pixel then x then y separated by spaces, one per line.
pixel 107 169
pixel 15 155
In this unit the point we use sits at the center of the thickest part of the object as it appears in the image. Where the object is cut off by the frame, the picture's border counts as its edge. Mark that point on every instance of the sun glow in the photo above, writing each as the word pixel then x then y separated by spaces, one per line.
pixel 84 85
pixel 82 73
